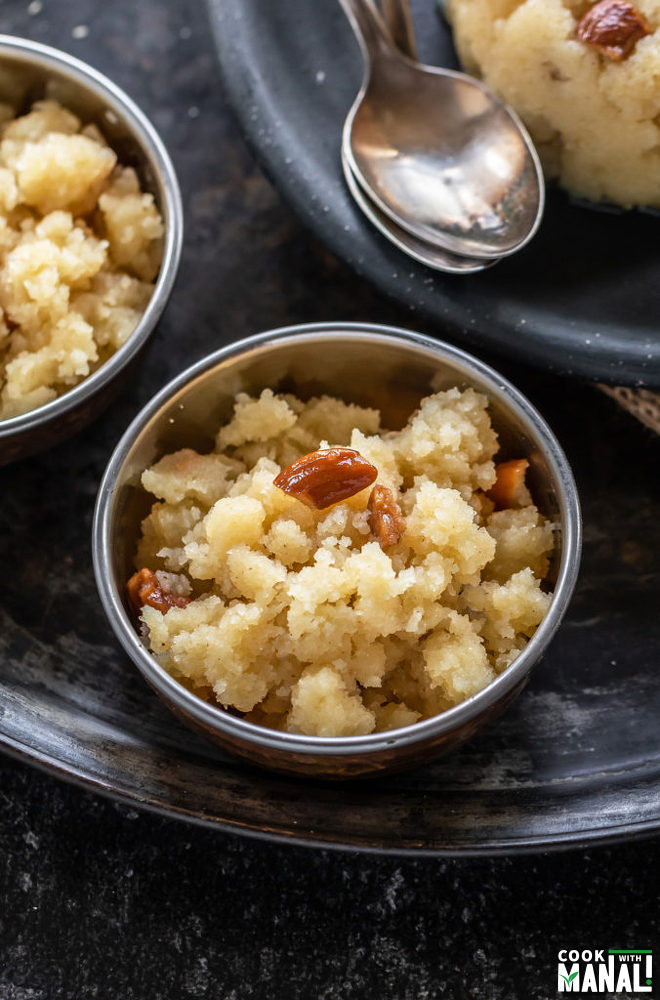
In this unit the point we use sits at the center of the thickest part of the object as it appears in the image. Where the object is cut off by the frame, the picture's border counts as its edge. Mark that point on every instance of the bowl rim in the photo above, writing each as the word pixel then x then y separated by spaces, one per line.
pixel 216 718
pixel 172 210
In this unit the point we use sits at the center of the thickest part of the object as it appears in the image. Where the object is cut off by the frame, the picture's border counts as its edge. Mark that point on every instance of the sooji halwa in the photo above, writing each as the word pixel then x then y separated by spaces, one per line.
pixel 80 247
pixel 585 79
pixel 340 590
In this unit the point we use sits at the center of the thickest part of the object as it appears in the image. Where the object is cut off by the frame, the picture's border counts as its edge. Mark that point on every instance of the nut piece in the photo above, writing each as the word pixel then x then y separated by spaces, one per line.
pixel 613 27
pixel 326 477
pixel 144 588
pixel 509 488
pixel 385 518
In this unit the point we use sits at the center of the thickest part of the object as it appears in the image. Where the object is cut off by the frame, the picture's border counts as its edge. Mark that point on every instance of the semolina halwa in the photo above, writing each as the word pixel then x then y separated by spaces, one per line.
pixel 592 106
pixel 316 621
pixel 80 247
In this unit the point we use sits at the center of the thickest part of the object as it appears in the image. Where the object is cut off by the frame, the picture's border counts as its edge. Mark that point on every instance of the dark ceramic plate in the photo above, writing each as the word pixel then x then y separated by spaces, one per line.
pixel 583 299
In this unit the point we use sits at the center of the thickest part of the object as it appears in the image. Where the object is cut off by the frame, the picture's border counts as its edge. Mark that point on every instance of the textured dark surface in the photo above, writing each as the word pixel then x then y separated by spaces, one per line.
pixel 582 298
pixel 97 900
pixel 100 901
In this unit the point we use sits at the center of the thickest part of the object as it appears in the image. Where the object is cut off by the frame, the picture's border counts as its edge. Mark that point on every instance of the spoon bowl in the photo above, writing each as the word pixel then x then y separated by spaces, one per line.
pixel 438 153
pixel 426 253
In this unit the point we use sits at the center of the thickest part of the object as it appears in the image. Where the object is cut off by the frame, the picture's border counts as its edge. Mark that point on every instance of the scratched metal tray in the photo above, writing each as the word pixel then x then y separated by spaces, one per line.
pixel 575 760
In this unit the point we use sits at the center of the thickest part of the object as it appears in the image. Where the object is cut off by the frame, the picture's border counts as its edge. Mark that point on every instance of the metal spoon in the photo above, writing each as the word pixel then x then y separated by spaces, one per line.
pixel 399 23
pixel 425 253
pixel 398 19
pixel 437 152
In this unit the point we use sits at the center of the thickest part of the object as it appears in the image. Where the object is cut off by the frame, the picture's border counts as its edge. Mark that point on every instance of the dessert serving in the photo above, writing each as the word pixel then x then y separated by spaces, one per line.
pixel 585 79
pixel 318 574
pixel 80 247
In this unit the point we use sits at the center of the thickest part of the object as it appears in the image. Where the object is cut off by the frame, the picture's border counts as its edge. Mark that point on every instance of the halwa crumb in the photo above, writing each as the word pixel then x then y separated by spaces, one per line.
pixel 80 246
pixel 301 618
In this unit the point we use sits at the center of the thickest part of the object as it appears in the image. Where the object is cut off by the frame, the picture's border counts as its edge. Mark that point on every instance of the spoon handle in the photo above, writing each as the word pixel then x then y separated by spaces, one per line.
pixel 399 21
pixel 369 27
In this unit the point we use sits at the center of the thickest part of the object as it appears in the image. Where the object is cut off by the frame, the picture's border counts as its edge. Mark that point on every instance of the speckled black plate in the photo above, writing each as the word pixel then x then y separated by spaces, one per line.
pixel 584 297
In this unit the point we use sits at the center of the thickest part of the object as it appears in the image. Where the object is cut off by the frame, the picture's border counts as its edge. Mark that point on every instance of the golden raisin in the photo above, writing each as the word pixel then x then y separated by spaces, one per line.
pixel 144 588
pixel 326 477
pixel 509 482
pixel 386 521
pixel 613 27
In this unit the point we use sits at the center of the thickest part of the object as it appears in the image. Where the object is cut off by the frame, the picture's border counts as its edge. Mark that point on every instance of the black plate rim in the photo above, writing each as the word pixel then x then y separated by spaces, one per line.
pixel 575 840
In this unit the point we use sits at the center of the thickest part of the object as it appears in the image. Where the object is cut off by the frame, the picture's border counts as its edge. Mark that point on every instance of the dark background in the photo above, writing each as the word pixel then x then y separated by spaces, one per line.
pixel 97 900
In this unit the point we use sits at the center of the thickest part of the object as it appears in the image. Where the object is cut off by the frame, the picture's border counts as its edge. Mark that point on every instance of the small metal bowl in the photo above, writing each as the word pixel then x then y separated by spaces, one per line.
pixel 29 72
pixel 376 366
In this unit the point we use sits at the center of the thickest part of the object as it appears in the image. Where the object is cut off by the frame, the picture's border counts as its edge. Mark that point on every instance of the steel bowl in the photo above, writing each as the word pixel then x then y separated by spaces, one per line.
pixel 378 366
pixel 29 72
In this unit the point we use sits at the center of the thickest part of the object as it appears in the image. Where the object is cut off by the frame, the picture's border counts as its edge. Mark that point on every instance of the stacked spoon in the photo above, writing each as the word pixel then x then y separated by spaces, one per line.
pixel 440 165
